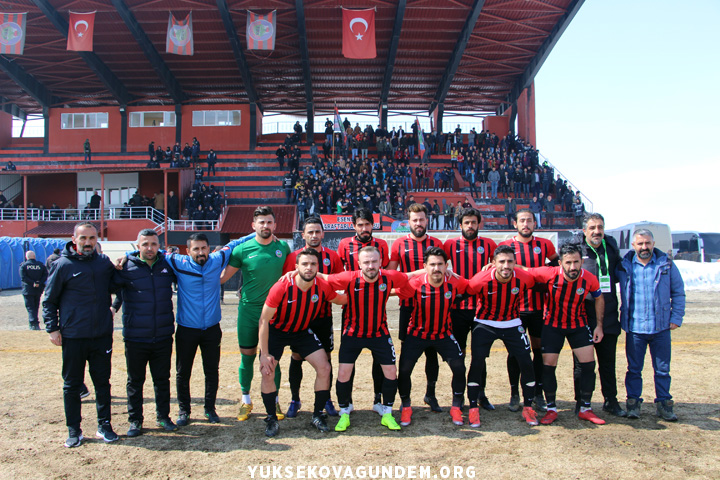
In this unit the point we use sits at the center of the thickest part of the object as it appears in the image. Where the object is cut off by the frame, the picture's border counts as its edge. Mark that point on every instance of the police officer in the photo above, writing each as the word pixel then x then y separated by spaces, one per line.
pixel 33 275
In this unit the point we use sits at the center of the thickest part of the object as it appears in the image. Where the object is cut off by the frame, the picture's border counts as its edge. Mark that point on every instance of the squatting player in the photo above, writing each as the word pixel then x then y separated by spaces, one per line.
pixel 430 327
pixel 349 249
pixel 568 287
pixel 365 326
pixel 313 233
pixel 407 255
pixel 468 253
pixel 529 252
pixel 261 261
pixel 291 308
pixel 500 290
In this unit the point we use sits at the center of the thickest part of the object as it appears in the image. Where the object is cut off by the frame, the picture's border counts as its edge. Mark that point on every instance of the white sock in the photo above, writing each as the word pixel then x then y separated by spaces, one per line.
pixel 246 399
pixel 387 409
pixel 585 409
pixel 277 399
pixel 345 410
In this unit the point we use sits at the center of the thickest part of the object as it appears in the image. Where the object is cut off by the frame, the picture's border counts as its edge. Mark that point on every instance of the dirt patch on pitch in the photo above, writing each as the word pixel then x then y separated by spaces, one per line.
pixel 32 425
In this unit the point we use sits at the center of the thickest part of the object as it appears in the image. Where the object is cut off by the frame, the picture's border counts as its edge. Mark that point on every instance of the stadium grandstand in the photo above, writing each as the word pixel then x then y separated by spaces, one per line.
pixel 133 98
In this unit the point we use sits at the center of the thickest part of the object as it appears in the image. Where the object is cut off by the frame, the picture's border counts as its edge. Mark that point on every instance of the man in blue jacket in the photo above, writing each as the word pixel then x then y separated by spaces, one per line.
pixel 148 325
pixel 198 318
pixel 653 303
pixel 77 316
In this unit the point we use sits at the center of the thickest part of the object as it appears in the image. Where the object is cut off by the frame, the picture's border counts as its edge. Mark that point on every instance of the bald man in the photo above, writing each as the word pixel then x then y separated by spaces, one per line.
pixel 33 275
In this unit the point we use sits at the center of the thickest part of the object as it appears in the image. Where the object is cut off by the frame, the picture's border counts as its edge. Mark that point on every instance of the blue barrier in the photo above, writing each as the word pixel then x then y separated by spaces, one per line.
pixel 12 254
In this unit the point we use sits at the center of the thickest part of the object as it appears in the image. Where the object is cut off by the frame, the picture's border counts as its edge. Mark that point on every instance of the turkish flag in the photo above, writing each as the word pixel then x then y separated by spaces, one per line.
pixel 80 31
pixel 359 33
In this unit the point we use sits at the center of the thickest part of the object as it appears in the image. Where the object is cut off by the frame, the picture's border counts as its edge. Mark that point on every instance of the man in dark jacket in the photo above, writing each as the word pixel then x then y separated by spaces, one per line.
pixel 51 259
pixel 601 257
pixel 33 276
pixel 173 208
pixel 77 316
pixel 280 154
pixel 148 325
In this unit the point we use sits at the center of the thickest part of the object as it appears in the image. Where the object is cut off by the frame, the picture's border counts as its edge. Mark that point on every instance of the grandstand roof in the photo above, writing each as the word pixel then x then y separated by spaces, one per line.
pixel 480 67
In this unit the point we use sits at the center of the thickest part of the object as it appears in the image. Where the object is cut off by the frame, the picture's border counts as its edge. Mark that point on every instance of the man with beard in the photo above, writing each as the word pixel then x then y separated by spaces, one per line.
pixel 530 252
pixel 430 327
pixel 198 319
pixel 407 255
pixel 565 317
pixel 261 262
pixel 653 305
pixel 500 290
pixel 468 253
pixel 601 257
pixel 290 309
pixel 322 326
pixel 365 326
pixel 77 316
pixel 349 250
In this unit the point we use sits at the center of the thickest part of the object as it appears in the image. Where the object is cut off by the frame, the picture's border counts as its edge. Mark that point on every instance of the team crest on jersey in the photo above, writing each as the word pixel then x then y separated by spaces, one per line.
pixel 515 290
pixel 537 250
pixel 314 298
pixel 521 329
pixel 326 262
pixel 278 253
pixel 481 250
pixel 448 295
pixel 580 291
pixel 382 287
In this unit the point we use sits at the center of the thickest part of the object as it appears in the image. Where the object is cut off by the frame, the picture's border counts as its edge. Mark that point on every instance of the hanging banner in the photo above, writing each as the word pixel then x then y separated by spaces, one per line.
pixel 260 31
pixel 359 33
pixel 12 33
pixel 179 38
pixel 80 31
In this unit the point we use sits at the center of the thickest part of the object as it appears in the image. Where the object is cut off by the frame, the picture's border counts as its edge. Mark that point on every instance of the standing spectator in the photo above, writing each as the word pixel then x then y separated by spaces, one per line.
pixel 51 259
pixel 146 280
pixel 435 215
pixel 79 319
pixel 187 154
pixel 652 293
pixel 173 207
pixel 159 201
pixel 88 153
pixel 151 151
pixel 494 178
pixel 510 210
pixel 195 150
pixel 33 276
pixel 288 185
pixel 199 174
pixel 280 153
pixel 211 160
pixel 550 214
pixel 449 215
pixel 579 212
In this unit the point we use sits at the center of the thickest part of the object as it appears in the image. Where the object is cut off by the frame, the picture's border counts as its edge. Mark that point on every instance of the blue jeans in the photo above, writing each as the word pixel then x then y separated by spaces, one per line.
pixel 636 345
pixel 494 186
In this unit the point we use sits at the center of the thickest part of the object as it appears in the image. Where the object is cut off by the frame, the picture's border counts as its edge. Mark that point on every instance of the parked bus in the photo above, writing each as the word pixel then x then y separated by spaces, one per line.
pixel 696 246
pixel 660 231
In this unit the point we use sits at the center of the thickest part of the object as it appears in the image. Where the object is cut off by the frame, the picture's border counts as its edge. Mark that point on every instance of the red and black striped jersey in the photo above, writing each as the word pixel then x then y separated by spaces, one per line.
pixel 531 255
pixel 468 258
pixel 410 255
pixel 430 319
pixel 365 316
pixel 330 263
pixel 296 309
pixel 499 301
pixel 564 304
pixel 349 247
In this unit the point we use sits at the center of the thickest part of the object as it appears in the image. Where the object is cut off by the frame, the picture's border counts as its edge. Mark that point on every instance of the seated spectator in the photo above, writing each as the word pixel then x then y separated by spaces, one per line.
pixel 198 216
pixel 187 153
pixel 10 166
pixel 199 174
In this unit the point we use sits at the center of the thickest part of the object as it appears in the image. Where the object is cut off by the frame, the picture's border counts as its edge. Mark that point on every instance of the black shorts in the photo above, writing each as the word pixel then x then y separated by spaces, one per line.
pixel 382 348
pixel 515 339
pixel 303 342
pixel 448 348
pixel 533 322
pixel 323 328
pixel 404 321
pixel 553 338
pixel 463 322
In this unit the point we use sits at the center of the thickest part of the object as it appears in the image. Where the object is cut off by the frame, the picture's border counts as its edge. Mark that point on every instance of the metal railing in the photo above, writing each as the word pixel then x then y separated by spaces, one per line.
pixel 588 203
pixel 193 225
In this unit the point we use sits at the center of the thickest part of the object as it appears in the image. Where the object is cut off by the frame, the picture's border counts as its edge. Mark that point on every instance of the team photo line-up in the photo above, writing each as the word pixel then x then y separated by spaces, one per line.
pixel 522 292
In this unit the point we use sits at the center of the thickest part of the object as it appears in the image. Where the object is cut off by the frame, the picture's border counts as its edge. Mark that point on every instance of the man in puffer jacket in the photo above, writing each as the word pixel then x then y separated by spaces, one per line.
pixel 146 281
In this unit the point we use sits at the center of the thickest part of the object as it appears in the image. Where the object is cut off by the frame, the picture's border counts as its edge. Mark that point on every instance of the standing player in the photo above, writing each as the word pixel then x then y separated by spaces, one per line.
pixel 468 253
pixel 290 310
pixel 500 291
pixel 530 252
pixel 349 250
pixel 565 317
pixel 365 326
pixel 407 255
pixel 313 233
pixel 430 327
pixel 261 261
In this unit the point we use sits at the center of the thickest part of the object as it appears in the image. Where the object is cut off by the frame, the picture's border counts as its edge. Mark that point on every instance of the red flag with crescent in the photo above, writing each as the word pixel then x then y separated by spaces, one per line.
pixel 359 33
pixel 80 31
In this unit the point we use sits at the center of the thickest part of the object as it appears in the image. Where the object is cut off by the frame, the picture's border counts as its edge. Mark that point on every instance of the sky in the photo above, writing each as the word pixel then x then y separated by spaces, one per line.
pixel 628 108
